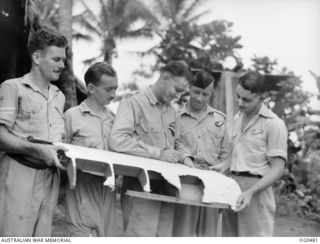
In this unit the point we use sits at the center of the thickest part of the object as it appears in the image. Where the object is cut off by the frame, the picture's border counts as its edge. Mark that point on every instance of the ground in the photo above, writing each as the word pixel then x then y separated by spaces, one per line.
pixel 290 226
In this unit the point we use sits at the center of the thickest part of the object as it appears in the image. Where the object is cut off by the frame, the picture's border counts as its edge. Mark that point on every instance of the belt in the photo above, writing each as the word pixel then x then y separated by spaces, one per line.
pixel 26 162
pixel 245 174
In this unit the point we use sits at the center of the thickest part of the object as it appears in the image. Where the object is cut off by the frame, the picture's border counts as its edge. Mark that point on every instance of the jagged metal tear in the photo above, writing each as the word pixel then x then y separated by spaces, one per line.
pixel 217 187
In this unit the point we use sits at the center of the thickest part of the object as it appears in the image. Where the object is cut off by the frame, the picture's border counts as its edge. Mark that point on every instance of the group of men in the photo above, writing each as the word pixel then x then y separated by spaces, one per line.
pixel 146 125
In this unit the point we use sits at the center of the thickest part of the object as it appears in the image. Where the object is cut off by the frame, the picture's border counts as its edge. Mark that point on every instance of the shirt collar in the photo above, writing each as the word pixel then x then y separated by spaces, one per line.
pixel 151 97
pixel 26 79
pixel 265 111
pixel 184 111
pixel 84 108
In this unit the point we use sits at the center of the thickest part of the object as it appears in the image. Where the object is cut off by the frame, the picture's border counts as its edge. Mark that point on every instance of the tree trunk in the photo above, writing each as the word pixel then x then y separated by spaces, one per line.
pixel 14 57
pixel 67 80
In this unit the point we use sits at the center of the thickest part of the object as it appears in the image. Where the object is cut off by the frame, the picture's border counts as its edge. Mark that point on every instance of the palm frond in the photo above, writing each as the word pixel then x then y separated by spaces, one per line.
pixel 105 13
pixel 196 17
pixel 190 10
pixel 90 61
pixel 83 20
pixel 80 36
pixel 90 13
pixel 163 7
pixel 141 11
pixel 144 31
pixel 176 7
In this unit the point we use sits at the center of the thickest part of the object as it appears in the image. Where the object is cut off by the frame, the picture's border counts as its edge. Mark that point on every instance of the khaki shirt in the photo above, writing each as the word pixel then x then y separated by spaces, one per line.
pixel 207 138
pixel 143 127
pixel 25 111
pixel 85 128
pixel 265 136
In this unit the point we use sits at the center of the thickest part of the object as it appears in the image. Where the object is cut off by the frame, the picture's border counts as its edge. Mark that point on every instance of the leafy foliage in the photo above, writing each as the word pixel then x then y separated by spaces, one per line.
pixel 202 46
pixel 42 14
pixel 117 19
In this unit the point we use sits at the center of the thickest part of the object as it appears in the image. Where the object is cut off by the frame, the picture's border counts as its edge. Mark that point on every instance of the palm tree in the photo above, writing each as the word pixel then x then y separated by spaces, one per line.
pixel 203 46
pixel 117 19
pixel 68 79
pixel 177 19
pixel 177 12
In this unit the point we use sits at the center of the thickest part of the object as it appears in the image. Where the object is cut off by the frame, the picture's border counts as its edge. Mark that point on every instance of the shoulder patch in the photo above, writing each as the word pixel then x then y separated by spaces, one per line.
pixel 219 113
pixel 172 128
pixel 256 132
pixel 219 123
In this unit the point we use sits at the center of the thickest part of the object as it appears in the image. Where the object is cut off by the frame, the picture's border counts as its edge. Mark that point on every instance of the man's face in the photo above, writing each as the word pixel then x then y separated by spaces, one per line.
pixel 52 62
pixel 199 98
pixel 105 92
pixel 174 87
pixel 248 102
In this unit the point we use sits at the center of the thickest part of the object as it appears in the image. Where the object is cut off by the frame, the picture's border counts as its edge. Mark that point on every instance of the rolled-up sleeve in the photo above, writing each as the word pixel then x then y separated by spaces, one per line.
pixel 8 105
pixel 123 136
pixel 277 138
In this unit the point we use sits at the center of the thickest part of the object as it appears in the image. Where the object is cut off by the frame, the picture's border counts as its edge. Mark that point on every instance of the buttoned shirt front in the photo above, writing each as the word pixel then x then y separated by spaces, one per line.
pixel 25 110
pixel 207 138
pixel 265 136
pixel 143 127
pixel 86 128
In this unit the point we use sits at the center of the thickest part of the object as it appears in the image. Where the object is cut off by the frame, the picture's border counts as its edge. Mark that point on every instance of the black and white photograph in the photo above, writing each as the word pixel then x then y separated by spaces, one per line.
pixel 159 118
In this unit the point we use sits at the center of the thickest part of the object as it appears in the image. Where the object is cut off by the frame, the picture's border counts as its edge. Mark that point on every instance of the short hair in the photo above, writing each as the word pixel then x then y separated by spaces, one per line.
pixel 41 39
pixel 201 79
pixel 95 71
pixel 178 68
pixel 254 82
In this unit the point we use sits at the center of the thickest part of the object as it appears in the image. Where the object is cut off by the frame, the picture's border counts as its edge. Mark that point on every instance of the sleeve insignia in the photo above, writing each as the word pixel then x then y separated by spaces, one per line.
pixel 219 123
pixel 172 128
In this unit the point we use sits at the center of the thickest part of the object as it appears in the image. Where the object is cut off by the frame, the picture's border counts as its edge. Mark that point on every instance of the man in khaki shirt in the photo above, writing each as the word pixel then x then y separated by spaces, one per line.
pixel 259 154
pixel 204 133
pixel 31 106
pixel 146 126
pixel 91 206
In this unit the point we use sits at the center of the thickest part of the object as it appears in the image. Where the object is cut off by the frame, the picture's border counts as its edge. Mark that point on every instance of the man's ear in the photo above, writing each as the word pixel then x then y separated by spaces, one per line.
pixel 166 76
pixel 91 88
pixel 36 57
pixel 264 96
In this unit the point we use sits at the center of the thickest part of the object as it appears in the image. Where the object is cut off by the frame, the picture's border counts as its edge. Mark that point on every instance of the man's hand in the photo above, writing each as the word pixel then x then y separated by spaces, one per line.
pixel 243 201
pixel 170 155
pixel 218 167
pixel 49 154
pixel 188 161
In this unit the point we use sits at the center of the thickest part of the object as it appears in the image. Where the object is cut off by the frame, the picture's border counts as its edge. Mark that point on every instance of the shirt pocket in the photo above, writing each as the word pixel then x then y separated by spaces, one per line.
pixel 256 147
pixel 150 126
pixel 256 141
pixel 150 132
pixel 87 142
pixel 30 114
pixel 214 140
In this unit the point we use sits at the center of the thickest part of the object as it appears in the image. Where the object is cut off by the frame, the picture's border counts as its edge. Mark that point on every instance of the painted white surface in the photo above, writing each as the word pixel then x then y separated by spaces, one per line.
pixel 218 188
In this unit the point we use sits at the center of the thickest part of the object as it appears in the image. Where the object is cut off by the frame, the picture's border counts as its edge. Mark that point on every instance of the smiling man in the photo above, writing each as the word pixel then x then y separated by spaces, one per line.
pixel 31 106
pixel 91 206
pixel 204 134
pixel 146 126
